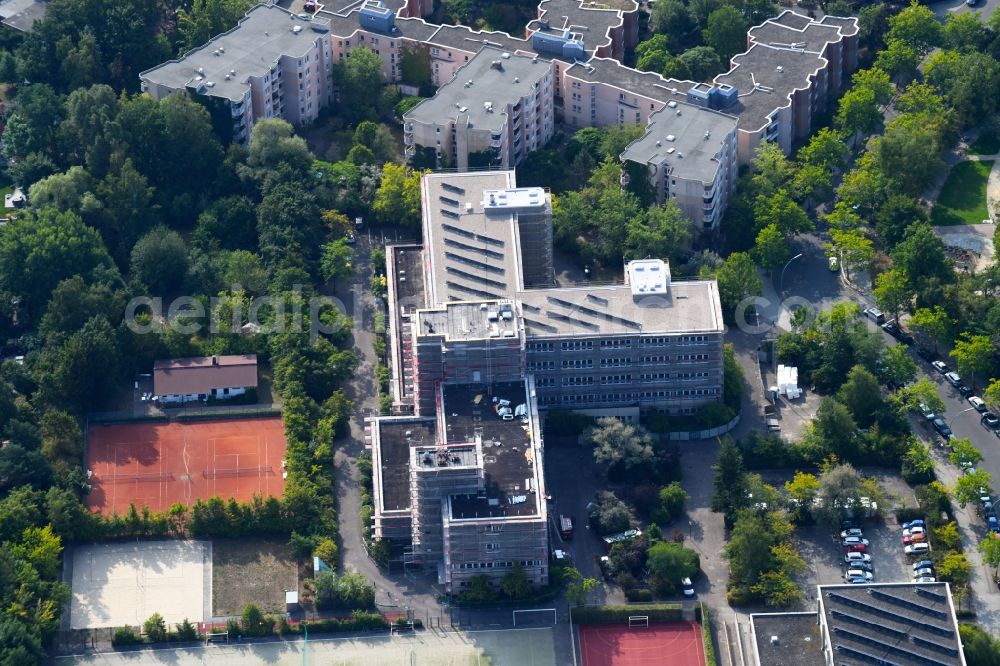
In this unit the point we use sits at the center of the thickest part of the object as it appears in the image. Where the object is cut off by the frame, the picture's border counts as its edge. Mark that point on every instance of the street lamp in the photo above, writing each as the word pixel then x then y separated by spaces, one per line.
pixel 781 280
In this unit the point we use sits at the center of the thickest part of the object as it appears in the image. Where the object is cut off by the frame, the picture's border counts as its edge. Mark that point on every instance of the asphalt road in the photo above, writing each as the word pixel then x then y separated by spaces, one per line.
pixel 946 7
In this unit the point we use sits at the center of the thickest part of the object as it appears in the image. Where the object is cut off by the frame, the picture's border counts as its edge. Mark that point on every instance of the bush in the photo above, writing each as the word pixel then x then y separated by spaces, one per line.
pixel 155 628
pixel 610 516
pixel 348 591
pixel 187 632
pixel 640 595
pixel 254 623
pixel 705 619
pixel 671 503
pixel 125 636
pixel 478 591
pixel 326 550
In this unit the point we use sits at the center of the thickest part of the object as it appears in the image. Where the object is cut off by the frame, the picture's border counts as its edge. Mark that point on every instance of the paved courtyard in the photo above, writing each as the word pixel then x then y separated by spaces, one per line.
pixel 123 584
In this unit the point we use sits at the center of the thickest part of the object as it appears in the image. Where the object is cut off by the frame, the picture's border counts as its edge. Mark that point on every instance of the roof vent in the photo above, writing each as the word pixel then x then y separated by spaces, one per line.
pixel 227 77
pixel 222 49
pixel 670 150
pixel 468 207
pixel 201 70
pixel 707 134
pixel 780 69
pixel 210 84
pixel 232 72
pixel 215 52
pixel 496 64
pixel 774 640
pixel 671 138
pixel 517 80
pixel 657 143
pixel 296 29
pixel 505 56
pixel 672 104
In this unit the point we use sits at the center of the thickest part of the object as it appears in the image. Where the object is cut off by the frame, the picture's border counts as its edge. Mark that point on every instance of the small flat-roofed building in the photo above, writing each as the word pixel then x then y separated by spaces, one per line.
pixel 786 639
pixel 496 110
pixel 190 379
pixel 687 154
pixel 463 491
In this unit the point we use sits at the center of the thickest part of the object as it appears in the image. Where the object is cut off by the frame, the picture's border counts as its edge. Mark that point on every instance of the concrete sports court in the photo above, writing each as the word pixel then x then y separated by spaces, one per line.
pixel 158 464
pixel 517 647
pixel 674 643
pixel 123 584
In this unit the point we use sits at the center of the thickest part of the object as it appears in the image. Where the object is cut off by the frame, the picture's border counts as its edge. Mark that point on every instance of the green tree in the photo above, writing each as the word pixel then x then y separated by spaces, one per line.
pixel 980 648
pixel 974 355
pixel 359 77
pixel 671 503
pixel 931 324
pixel 965 32
pixel 858 112
pixel 397 199
pixel 781 210
pixel 82 372
pixel 207 18
pixel 726 32
pixel 155 628
pixel 918 465
pixel 771 248
pixel 826 149
pixel 676 21
pixel 336 261
pixel 578 588
pixel 663 231
pixel 702 62
pixel 777 589
pixel 967 487
pixel 898 59
pixel 923 391
pixel 840 488
pixel 897 213
pixel 854 249
pixel 39 250
pixel 254 623
pixel 892 291
pixel 862 395
pixel 19 643
pixel 921 254
pixel 738 279
pixel 515 583
pixel 652 54
pixel 620 445
pixel 964 452
pixel 898 367
pixel 730 482
pixel 947 537
pixel 670 562
pixel 990 549
pixel 160 260
pixel 992 393
pixel 954 568
pixel 916 26
pixel 415 65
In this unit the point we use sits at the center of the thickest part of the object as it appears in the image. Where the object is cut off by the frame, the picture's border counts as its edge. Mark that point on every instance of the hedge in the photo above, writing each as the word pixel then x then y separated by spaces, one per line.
pixel 615 614
pixel 639 595
pixel 705 618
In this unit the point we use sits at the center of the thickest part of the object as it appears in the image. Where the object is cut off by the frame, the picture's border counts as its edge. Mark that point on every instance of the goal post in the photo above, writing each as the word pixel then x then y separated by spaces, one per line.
pixel 635 621
pixel 555 618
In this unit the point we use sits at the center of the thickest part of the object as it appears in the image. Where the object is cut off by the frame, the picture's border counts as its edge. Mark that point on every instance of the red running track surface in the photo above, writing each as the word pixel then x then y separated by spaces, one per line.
pixel 672 643
pixel 159 464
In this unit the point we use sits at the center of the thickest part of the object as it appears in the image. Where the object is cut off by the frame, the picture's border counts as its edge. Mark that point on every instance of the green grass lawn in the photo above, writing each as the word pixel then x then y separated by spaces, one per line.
pixel 987 144
pixel 963 197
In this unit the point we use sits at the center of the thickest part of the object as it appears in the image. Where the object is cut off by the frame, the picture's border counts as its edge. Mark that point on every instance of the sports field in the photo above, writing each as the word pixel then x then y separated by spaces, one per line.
pixel 158 464
pixel 674 643
pixel 519 647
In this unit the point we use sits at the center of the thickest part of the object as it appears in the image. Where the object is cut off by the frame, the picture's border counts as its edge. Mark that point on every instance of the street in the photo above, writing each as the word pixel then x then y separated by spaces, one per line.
pixel 945 7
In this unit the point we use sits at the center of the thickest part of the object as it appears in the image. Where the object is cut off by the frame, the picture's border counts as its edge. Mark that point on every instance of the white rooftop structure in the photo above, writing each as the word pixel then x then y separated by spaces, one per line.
pixel 648 277
pixel 518 198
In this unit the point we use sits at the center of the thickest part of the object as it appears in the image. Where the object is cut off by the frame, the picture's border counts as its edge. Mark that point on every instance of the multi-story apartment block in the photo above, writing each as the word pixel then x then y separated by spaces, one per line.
pixel 463 491
pixel 487 311
pixel 272 65
pixel 688 154
pixel 279 64
pixel 788 76
pixel 495 110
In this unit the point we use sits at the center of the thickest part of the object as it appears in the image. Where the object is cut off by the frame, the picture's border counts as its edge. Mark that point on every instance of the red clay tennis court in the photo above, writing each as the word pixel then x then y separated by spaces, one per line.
pixel 674 643
pixel 159 464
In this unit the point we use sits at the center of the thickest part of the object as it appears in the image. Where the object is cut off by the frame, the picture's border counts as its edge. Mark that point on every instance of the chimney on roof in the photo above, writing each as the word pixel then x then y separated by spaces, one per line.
pixel 215 360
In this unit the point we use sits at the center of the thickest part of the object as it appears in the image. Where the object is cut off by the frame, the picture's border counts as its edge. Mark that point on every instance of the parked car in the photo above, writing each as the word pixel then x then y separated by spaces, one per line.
pixel 953 378
pixel 913 530
pixel 865 576
pixel 978 403
pixel 990 420
pixel 926 412
pixel 914 538
pixel 941 427
pixel 923 571
pixel 864 566
pixel 991 524
pixel 853 541
pixel 923 564
pixel 687 587
pixel 940 366
pixel 917 522
pixel 892 328
pixel 964 390
pixel 917 548
pixel 875 315
pixel 857 558
pixel 857 548
pixel 627 535
pixel 926 579
pixel 852 532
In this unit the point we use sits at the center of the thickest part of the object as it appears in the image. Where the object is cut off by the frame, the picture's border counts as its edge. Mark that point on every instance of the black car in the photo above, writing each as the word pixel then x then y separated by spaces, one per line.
pixel 892 328
pixel 990 420
pixel 942 428
pixel 964 390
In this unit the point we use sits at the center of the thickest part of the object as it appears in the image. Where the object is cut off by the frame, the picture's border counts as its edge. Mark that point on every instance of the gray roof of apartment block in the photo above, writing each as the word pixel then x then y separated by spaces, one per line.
pixel 251 48
pixel 481 89
pixel 765 77
pixel 685 136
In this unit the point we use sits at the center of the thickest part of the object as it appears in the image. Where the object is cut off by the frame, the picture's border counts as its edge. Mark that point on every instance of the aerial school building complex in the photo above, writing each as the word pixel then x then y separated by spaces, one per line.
pixel 482 338
pixel 500 97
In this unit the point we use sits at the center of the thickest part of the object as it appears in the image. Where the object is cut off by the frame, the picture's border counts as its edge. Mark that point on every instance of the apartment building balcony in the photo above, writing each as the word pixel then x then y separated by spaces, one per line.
pixel 236 110
pixel 408 139
pixel 410 150
pixel 496 144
